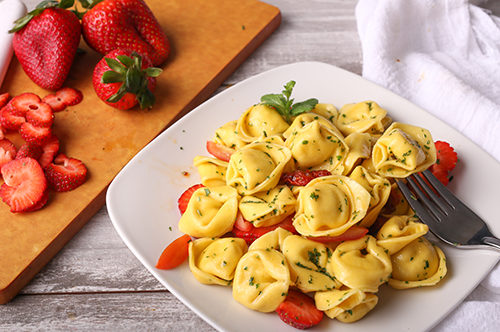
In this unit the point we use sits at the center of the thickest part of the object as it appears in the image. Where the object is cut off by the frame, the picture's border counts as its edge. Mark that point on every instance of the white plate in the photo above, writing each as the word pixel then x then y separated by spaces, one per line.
pixel 142 202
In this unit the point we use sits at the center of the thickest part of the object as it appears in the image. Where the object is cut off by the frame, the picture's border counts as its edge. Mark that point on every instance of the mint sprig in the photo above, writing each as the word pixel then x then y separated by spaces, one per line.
pixel 285 106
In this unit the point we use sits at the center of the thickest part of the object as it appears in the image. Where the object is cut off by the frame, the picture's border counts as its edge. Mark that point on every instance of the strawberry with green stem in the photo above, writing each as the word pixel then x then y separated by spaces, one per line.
pixel 124 78
pixel 45 42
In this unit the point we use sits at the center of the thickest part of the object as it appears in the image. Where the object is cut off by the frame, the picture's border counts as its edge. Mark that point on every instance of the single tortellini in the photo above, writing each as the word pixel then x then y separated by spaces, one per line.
pixel 316 145
pixel 213 261
pixel 309 264
pixel 328 206
pixel 379 189
pixel 418 264
pixel 260 121
pixel 403 150
pixel 346 305
pixel 261 280
pixel 267 208
pixel 228 136
pixel 211 212
pixel 271 240
pixel 257 167
pixel 327 111
pixel 364 117
pixel 212 171
pixel 398 231
pixel 361 264
pixel 360 148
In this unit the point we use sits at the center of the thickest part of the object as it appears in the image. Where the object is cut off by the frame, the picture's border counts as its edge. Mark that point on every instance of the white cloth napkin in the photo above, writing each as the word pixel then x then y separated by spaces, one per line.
pixel 10 10
pixel 443 55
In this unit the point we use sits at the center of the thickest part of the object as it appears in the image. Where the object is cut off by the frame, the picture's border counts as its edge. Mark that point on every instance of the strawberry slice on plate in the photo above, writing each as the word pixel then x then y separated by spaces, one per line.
pixel 302 177
pixel 298 310
pixel 219 151
pixel 25 185
pixel 186 196
pixel 248 232
pixel 7 151
pixel 65 173
pixel 446 156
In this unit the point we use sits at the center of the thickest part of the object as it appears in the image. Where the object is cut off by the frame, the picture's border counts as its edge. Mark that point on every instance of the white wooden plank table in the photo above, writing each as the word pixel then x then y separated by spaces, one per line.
pixel 95 282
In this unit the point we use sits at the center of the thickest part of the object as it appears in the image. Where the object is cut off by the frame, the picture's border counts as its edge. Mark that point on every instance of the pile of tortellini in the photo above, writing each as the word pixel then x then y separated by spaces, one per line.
pixel 363 149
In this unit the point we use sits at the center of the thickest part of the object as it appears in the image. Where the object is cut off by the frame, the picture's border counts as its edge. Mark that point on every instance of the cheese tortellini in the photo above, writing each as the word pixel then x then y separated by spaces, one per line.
pixel 261 280
pixel 328 206
pixel 213 261
pixel 257 167
pixel 211 212
pixel 403 150
pixel 338 235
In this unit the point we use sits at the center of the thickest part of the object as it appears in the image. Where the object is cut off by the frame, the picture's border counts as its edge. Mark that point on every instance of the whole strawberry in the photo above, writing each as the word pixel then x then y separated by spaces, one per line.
pixel 124 79
pixel 45 42
pixel 125 24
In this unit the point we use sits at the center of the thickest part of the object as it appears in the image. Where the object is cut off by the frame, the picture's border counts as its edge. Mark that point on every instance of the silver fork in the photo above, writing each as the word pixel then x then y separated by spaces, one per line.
pixel 447 217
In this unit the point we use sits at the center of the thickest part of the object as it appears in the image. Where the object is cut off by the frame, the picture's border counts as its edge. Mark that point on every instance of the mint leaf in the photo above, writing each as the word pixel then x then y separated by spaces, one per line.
pixel 285 106
pixel 304 106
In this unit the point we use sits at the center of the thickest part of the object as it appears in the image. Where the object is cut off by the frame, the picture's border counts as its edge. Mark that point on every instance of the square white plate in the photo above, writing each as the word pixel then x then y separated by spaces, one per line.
pixel 142 202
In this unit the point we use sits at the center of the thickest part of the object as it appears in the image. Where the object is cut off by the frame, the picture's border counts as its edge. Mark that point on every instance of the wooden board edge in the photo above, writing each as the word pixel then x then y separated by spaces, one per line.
pixel 53 248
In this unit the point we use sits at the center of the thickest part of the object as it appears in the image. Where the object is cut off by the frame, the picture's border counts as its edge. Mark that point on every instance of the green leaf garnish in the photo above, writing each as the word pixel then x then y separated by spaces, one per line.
pixel 285 106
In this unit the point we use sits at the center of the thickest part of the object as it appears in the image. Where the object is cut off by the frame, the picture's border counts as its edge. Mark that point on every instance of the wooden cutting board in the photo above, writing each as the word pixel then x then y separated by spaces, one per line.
pixel 209 39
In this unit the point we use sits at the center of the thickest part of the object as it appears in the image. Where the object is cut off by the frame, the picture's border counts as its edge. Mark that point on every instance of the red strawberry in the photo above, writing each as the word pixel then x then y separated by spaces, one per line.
pixel 29 150
pixel 10 119
pixel 45 43
pixel 125 24
pixel 186 196
pixel 124 78
pixel 248 232
pixel 446 156
pixel 33 109
pixel 34 134
pixel 4 98
pixel 219 151
pixel 441 174
pixel 41 203
pixel 65 174
pixel 299 311
pixel 49 151
pixel 2 131
pixel 301 178
pixel 7 151
pixel 63 98
pixel 25 184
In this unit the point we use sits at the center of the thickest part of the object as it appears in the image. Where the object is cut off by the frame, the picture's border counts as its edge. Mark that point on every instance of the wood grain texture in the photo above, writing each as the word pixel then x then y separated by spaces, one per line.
pixel 95 283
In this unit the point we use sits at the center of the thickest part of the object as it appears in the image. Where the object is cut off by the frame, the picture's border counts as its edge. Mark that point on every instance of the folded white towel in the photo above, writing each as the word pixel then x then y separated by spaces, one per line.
pixel 445 57
pixel 11 10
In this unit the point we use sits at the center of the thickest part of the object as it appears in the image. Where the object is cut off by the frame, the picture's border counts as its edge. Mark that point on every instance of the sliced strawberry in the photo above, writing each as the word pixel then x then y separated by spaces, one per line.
pixel 63 98
pixel 4 98
pixel 24 186
pixel 219 151
pixel 2 131
pixel 29 150
pixel 49 151
pixel 41 203
pixel 7 151
pixel 186 196
pixel 446 156
pixel 301 177
pixel 24 102
pixel 353 233
pixel 253 233
pixel 298 310
pixel 33 134
pixel 11 119
pixel 40 115
pixel 65 174
pixel 441 174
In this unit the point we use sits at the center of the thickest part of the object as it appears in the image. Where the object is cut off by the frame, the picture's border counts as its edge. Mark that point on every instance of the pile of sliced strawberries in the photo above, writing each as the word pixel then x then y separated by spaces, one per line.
pixel 37 165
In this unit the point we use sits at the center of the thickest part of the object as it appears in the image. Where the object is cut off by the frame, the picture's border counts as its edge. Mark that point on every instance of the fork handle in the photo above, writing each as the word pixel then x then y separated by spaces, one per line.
pixel 492 241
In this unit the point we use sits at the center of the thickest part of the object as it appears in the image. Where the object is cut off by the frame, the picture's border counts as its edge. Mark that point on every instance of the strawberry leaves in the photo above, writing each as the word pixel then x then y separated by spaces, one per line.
pixel 128 71
pixel 21 22
pixel 286 106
